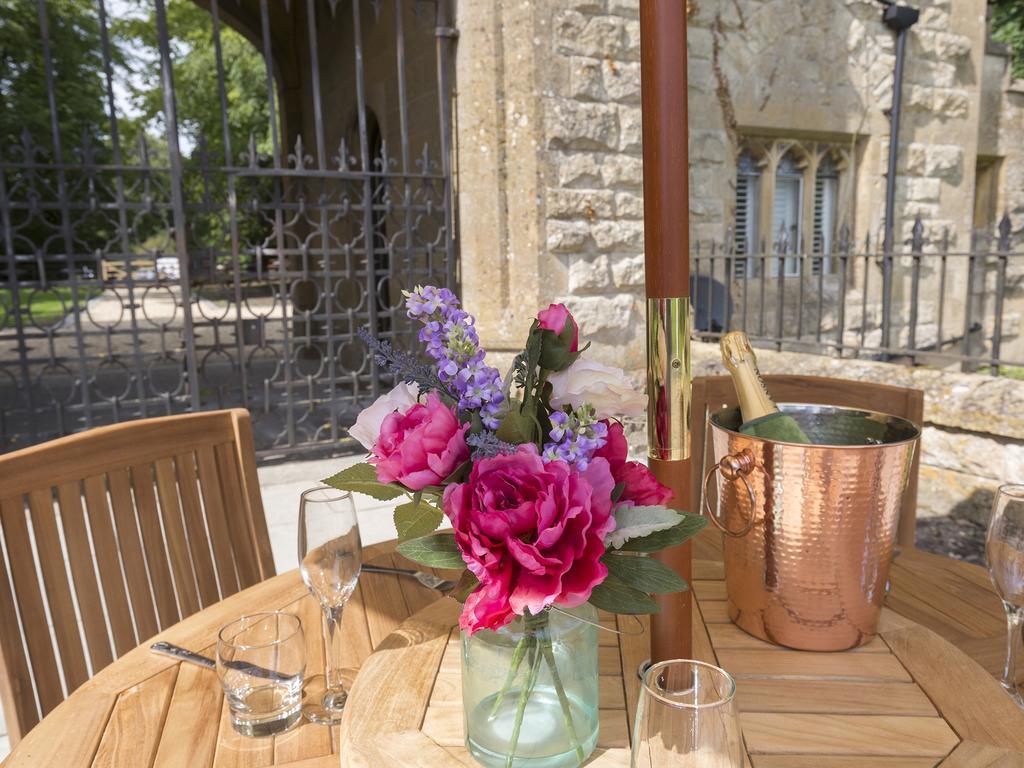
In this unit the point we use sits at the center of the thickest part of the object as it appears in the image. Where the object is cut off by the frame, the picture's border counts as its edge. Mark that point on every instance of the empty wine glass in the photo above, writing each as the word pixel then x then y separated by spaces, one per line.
pixel 330 557
pixel 1004 552
pixel 687 718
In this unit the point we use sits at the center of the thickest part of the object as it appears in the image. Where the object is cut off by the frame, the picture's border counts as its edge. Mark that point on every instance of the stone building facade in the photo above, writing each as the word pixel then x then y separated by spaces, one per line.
pixel 549 140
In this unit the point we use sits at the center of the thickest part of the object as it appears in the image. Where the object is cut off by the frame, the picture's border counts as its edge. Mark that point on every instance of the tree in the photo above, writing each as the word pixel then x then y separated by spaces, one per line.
pixel 1008 27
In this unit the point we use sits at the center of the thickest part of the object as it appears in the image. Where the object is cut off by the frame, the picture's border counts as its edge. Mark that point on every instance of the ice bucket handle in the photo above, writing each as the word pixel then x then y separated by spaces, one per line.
pixel 735 466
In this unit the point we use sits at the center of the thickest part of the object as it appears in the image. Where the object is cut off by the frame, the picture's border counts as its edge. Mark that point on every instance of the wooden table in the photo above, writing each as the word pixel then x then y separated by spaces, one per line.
pixel 148 710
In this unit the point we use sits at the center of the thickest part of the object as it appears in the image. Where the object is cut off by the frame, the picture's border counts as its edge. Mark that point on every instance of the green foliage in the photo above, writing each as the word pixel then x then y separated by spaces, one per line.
pixel 417 518
pixel 644 574
pixel 76 54
pixel 615 597
pixel 465 586
pixel 436 551
pixel 692 524
pixel 1008 27
pixel 362 478
pixel 80 94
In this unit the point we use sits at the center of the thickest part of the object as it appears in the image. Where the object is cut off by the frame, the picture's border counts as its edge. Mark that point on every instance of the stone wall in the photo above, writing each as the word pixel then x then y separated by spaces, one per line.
pixel 973 436
pixel 550 179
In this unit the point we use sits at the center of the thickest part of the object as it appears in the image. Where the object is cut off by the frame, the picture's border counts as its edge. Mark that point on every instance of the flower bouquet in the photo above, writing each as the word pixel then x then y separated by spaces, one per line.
pixel 550 520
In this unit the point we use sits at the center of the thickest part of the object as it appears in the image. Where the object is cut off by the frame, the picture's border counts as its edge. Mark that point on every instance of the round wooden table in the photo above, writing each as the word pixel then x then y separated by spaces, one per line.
pixel 943 631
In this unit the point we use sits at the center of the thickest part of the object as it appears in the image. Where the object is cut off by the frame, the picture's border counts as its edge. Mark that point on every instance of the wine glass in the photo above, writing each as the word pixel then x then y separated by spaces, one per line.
pixel 1004 552
pixel 330 557
pixel 687 718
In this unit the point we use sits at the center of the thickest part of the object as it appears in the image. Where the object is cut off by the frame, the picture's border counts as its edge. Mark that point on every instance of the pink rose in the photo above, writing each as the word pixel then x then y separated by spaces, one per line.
pixel 641 487
pixel 532 533
pixel 555 318
pixel 420 447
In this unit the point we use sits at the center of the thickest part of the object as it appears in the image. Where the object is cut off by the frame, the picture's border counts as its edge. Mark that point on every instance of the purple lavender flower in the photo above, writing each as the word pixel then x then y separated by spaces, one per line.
pixel 452 341
pixel 575 437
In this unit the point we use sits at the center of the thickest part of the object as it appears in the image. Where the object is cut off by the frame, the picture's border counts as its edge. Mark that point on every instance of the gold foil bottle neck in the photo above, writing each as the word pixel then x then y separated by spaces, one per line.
pixel 736 350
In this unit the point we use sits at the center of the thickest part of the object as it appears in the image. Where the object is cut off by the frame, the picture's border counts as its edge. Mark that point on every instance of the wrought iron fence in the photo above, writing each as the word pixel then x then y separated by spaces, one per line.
pixel 154 268
pixel 947 306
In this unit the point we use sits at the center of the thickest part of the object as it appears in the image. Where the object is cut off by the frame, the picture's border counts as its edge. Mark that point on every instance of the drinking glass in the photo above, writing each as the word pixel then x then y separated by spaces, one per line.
pixel 687 718
pixel 1004 552
pixel 330 557
pixel 261 661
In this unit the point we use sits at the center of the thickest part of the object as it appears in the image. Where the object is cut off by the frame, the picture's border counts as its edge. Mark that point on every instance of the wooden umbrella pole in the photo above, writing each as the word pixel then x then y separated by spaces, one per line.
pixel 667 247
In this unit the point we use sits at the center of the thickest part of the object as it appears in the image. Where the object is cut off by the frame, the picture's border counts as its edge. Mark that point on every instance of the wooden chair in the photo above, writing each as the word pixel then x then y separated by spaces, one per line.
pixel 711 393
pixel 122 530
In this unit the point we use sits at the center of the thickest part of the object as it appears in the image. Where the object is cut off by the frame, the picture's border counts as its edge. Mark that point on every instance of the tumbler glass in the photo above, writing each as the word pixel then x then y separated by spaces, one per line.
pixel 261 662
pixel 687 718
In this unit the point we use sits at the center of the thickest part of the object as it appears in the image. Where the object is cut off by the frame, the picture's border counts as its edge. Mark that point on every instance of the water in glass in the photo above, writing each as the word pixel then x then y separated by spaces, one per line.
pixel 687 718
pixel 1004 553
pixel 261 662
pixel 330 558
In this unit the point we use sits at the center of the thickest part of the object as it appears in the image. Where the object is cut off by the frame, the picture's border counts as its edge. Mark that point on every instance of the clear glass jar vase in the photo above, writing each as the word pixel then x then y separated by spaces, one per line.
pixel 530 691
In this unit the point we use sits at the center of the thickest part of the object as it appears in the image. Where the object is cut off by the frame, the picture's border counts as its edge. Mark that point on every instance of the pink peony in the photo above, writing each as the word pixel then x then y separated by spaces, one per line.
pixel 420 447
pixel 555 318
pixel 641 486
pixel 532 533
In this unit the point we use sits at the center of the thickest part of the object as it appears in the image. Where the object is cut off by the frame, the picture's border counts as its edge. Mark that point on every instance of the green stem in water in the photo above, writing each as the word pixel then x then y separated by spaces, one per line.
pixel 513 670
pixel 524 698
pixel 549 656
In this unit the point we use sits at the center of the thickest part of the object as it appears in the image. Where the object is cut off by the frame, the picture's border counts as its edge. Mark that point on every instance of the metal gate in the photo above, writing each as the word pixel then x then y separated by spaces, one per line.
pixel 160 262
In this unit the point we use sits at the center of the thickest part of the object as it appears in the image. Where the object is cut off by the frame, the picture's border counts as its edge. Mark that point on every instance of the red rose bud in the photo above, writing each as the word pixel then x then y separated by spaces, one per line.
pixel 560 338
pixel 557 318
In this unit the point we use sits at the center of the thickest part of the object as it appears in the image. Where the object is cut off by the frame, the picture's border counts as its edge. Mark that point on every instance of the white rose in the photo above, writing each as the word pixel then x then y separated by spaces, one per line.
pixel 606 388
pixel 367 427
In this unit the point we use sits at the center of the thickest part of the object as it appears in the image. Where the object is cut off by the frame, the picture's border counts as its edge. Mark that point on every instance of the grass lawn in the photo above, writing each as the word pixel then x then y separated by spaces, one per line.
pixel 47 306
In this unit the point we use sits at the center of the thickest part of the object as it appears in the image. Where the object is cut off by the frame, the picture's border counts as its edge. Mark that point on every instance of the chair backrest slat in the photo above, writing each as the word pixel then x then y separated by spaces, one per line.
pixel 153 544
pixel 198 539
pixel 58 589
pixel 29 598
pixel 132 559
pixel 112 535
pixel 108 562
pixel 216 520
pixel 83 572
pixel 245 558
pixel 712 393
pixel 174 533
pixel 17 691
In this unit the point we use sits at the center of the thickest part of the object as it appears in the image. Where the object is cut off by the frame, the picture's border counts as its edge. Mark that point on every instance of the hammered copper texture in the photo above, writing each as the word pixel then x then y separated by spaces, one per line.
pixel 811 572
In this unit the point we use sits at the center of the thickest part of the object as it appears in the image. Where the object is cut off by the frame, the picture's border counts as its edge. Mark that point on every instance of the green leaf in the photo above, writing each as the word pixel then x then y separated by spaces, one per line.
pixel 644 574
pixel 516 427
pixel 467 583
pixel 436 551
pixel 362 478
pixel 670 537
pixel 615 597
pixel 414 519
pixel 635 522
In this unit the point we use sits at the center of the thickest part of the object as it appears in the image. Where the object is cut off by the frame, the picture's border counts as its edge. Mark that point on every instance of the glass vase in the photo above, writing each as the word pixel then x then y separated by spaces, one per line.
pixel 530 690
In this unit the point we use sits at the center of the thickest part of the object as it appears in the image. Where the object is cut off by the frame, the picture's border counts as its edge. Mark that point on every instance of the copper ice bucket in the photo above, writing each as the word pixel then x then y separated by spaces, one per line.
pixel 811 528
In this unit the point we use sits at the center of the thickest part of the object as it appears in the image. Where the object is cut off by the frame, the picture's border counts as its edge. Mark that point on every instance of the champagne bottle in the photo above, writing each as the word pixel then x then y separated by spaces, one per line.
pixel 761 416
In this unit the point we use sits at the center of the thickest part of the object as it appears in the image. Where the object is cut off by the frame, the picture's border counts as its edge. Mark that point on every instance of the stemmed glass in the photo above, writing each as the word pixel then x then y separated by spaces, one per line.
pixel 330 558
pixel 687 718
pixel 1004 552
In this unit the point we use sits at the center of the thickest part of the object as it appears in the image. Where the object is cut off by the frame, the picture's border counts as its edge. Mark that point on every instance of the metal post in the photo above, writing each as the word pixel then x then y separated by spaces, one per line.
pixel 667 243
pixel 899 18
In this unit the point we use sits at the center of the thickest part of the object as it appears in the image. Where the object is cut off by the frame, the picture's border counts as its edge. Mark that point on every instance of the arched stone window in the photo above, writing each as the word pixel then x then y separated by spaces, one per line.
pixel 789 202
